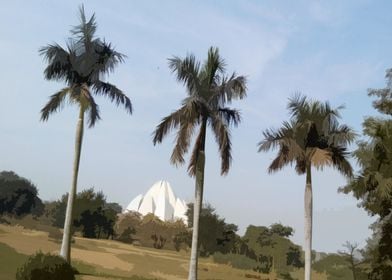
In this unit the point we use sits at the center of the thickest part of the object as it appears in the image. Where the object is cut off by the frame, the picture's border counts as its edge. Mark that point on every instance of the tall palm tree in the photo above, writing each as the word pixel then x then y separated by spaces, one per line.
pixel 312 137
pixel 81 65
pixel 208 91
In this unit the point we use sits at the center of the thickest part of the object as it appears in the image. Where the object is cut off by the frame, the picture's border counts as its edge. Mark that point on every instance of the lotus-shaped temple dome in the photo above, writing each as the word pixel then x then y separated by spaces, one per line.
pixel 161 201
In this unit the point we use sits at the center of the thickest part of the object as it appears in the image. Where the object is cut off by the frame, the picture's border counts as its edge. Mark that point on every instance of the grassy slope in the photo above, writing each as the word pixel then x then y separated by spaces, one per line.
pixel 106 259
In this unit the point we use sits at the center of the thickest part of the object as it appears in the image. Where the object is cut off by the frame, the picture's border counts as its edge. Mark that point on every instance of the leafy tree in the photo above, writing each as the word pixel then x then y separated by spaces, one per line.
pixel 336 267
pixel 293 257
pixel 18 196
pixel 208 90
pixel 373 184
pixel 10 176
pixel 92 215
pixel 350 255
pixel 312 137
pixel 281 230
pixel 81 65
pixel 215 235
pixel 150 231
pixel 272 248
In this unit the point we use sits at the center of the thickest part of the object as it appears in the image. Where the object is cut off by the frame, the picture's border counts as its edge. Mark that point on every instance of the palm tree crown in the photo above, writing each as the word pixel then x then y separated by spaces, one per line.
pixel 82 65
pixel 313 136
pixel 208 91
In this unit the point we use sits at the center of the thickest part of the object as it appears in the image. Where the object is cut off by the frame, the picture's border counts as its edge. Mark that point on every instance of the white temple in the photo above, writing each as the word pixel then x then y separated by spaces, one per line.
pixel 161 201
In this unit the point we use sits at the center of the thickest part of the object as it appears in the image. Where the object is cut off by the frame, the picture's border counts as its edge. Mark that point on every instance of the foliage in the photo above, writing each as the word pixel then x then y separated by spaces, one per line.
pixel 18 196
pixel 92 215
pixel 215 235
pixel 182 240
pixel 313 136
pixel 373 184
pixel 159 241
pixel 82 65
pixel 150 231
pixel 335 265
pixel 208 90
pixel 293 257
pixel 235 260
pixel 126 236
pixel 270 246
pixel 45 267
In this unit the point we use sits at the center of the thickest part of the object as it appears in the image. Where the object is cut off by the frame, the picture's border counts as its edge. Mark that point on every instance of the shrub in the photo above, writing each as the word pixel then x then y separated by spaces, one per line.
pixel 235 260
pixel 45 267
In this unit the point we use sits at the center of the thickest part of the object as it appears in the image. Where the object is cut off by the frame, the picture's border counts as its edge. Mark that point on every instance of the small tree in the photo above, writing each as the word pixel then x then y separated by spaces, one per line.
pixel 349 253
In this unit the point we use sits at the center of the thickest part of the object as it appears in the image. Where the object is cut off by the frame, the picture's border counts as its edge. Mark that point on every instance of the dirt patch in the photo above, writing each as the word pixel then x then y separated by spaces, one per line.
pixel 26 241
pixel 165 276
pixel 105 260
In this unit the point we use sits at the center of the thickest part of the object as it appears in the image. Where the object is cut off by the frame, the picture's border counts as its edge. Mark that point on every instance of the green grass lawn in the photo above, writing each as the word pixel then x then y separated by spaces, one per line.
pixel 10 260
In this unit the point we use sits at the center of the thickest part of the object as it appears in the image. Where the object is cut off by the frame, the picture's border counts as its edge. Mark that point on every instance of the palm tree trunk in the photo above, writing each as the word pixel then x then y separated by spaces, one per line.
pixel 196 215
pixel 66 244
pixel 308 223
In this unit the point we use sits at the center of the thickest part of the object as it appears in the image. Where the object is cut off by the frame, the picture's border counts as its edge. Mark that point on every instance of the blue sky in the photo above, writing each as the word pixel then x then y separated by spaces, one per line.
pixel 329 50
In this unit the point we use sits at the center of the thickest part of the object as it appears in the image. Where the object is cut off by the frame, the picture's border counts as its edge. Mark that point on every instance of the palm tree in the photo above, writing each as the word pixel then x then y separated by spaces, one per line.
pixel 82 66
pixel 208 91
pixel 312 137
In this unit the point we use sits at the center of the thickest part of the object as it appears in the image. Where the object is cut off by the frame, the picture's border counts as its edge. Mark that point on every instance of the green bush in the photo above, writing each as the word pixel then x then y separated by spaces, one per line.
pixel 45 267
pixel 235 260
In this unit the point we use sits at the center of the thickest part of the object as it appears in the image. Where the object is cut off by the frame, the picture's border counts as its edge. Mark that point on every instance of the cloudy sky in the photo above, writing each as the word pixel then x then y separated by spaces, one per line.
pixel 328 50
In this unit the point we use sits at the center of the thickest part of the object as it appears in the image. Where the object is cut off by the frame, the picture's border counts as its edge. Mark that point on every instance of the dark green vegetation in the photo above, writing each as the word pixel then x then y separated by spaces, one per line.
pixel 82 66
pixel 45 267
pixel 372 186
pixel 18 196
pixel 150 231
pixel 92 215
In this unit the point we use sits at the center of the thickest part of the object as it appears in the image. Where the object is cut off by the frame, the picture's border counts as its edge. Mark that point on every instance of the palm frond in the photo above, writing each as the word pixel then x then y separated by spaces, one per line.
pixel 282 159
pixel 230 116
pixel 274 138
pixel 298 105
pixel 113 93
pixel 229 89
pixel 319 157
pixel 85 31
pixel 341 135
pixel 213 66
pixel 222 138
pixel 183 139
pixel 187 72
pixel 339 156
pixel 168 123
pixel 93 112
pixel 106 58
pixel 55 103
pixel 59 64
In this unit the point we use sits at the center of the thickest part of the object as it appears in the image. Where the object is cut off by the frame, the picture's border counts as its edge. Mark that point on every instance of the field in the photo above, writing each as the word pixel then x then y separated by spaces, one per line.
pixel 107 259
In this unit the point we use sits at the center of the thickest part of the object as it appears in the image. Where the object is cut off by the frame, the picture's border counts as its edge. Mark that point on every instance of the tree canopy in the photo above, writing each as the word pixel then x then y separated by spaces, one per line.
pixel 18 196
pixel 372 186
